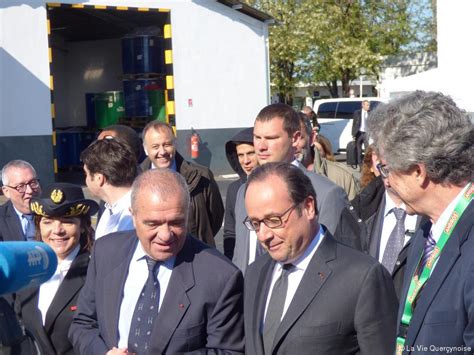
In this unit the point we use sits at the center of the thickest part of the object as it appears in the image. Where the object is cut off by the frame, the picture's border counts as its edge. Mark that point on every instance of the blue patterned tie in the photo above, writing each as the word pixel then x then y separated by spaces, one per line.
pixel 427 251
pixel 145 312
pixel 395 240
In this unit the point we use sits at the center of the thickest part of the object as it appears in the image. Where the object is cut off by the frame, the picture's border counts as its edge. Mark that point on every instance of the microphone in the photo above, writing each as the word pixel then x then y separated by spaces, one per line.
pixel 25 264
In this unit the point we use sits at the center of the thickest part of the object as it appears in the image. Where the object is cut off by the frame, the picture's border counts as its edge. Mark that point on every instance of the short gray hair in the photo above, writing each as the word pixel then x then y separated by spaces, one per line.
pixel 162 182
pixel 425 128
pixel 15 164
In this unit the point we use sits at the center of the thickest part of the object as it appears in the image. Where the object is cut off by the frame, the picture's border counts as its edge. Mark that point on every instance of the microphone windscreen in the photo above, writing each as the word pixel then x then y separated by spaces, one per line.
pixel 25 264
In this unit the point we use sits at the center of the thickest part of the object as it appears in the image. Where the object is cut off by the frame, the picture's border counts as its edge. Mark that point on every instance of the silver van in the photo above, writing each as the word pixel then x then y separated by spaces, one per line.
pixel 335 117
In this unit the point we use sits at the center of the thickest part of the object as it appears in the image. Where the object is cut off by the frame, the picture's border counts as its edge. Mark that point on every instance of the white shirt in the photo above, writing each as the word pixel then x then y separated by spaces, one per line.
pixel 136 278
pixel 438 227
pixel 116 218
pixel 363 120
pixel 390 221
pixel 48 289
pixel 253 240
pixel 294 278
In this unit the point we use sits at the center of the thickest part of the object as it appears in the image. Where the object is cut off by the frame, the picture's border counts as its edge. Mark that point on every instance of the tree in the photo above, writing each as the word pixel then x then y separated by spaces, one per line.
pixel 334 40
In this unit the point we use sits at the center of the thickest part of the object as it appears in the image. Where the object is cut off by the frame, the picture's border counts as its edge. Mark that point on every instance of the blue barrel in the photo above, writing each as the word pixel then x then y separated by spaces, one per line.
pixel 137 98
pixel 143 54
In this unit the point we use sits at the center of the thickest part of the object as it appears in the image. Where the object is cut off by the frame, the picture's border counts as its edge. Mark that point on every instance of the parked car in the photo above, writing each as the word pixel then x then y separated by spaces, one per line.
pixel 335 117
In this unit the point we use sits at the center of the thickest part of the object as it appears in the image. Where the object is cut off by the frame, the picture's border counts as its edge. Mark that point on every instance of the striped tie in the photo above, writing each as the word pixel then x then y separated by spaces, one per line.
pixel 427 251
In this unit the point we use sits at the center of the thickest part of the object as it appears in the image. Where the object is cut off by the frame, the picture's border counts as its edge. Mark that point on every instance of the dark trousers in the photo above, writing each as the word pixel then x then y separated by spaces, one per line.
pixel 360 138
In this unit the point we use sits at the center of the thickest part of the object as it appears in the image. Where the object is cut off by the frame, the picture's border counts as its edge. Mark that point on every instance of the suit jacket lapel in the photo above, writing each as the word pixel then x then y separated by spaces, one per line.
pixel 69 287
pixel 14 224
pixel 313 279
pixel 176 301
pixel 114 284
pixel 446 261
pixel 261 295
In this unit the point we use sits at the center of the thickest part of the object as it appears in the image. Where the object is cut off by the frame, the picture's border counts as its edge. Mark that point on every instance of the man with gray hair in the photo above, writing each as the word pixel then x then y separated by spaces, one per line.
pixel 156 289
pixel 19 185
pixel 425 143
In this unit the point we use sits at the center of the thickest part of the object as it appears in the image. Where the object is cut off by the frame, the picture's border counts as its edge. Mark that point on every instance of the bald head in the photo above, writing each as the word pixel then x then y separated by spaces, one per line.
pixel 162 183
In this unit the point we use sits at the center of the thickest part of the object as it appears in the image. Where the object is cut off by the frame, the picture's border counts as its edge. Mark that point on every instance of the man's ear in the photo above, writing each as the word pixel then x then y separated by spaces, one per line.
pixel 101 179
pixel 310 206
pixel 421 175
pixel 6 192
pixel 296 138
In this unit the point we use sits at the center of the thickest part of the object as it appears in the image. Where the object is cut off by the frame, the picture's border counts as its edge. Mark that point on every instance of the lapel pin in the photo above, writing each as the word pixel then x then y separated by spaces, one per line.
pixel 321 275
pixel 181 305
pixel 73 308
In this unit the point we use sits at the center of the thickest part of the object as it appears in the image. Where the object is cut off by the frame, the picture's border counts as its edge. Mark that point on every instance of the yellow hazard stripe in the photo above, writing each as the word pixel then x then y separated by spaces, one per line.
pixel 53 111
pixel 122 8
pixel 54 138
pixel 48 25
pixel 167 31
pixel 163 10
pixel 168 56
pixel 53 4
pixel 170 107
pixel 55 163
pixel 169 82
pixel 50 55
pixel 77 6
pixel 51 83
pixel 100 7
pixel 143 9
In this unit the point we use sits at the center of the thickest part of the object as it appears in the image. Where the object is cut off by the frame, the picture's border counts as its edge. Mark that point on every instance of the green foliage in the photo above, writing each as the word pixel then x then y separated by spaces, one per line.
pixel 330 40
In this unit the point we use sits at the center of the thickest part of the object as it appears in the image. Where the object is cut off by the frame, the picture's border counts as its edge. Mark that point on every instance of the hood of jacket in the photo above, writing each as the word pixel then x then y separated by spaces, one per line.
pixel 243 136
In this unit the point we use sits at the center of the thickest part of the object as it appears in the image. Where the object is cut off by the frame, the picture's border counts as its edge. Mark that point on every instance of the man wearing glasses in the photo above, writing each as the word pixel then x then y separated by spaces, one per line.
pixel 20 184
pixel 376 223
pixel 309 294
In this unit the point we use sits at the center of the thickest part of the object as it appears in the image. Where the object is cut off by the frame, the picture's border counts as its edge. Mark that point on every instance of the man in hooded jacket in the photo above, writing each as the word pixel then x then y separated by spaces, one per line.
pixel 241 156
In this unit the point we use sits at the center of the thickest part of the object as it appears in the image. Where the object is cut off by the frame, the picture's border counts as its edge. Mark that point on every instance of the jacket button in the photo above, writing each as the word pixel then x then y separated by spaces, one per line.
pixel 351 208
pixel 398 263
pixel 359 220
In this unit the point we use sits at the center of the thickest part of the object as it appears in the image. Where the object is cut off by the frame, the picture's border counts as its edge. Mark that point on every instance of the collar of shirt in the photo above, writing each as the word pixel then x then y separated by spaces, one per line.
pixel 123 202
pixel 390 205
pixel 140 255
pixel 437 228
pixel 65 264
pixel 295 277
pixel 303 261
pixel 172 167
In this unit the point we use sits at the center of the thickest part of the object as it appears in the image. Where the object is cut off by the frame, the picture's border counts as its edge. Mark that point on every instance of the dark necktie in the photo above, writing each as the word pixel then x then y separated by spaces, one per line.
pixel 430 244
pixel 145 312
pixel 395 240
pixel 275 308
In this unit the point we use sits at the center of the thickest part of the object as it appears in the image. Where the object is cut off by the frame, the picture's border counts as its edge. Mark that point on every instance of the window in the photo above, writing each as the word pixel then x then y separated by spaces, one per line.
pixel 327 110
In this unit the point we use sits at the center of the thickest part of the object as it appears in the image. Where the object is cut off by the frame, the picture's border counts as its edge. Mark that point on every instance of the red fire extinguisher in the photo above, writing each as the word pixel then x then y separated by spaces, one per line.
pixel 194 145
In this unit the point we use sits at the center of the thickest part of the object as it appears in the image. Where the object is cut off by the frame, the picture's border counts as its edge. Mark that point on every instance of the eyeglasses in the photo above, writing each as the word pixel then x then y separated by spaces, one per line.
pixel 21 188
pixel 383 170
pixel 270 222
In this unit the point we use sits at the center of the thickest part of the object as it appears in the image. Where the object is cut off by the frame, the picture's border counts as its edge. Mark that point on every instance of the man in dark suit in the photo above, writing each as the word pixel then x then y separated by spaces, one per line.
pixel 309 294
pixel 377 224
pixel 276 135
pixel 20 184
pixel 426 145
pixel 157 290
pixel 359 127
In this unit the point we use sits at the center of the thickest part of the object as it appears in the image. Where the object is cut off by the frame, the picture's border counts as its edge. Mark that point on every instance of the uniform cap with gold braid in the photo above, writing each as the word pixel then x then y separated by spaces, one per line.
pixel 62 200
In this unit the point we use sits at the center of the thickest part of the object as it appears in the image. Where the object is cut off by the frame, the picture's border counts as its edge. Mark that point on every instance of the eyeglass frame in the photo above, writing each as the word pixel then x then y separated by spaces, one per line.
pixel 21 188
pixel 249 225
pixel 383 170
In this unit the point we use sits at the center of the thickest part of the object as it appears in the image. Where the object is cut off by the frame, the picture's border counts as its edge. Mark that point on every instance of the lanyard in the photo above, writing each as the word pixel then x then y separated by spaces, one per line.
pixel 417 282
